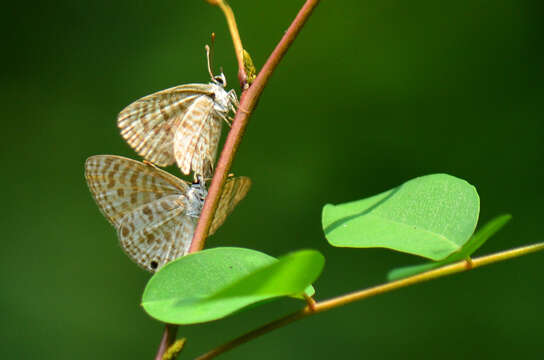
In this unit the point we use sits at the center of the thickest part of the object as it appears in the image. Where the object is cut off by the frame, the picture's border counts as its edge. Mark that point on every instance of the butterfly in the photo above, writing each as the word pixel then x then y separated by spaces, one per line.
pixel 154 212
pixel 181 124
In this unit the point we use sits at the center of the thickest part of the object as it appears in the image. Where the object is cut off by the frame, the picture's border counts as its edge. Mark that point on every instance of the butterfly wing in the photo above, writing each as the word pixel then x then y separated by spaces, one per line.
pixel 148 124
pixel 212 138
pixel 120 185
pixel 234 191
pixel 146 205
pixel 206 146
pixel 158 232
pixel 197 137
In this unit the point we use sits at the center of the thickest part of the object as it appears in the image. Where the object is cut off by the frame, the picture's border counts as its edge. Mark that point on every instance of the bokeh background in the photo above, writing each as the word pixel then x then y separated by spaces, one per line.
pixel 371 94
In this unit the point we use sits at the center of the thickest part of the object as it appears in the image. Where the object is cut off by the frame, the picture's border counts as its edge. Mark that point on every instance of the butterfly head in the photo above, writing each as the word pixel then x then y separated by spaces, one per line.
pixel 195 198
pixel 220 80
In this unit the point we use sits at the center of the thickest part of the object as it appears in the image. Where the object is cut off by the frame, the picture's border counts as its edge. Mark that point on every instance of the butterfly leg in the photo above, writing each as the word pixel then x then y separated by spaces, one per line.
pixel 233 97
pixel 227 119
pixel 233 100
pixel 207 169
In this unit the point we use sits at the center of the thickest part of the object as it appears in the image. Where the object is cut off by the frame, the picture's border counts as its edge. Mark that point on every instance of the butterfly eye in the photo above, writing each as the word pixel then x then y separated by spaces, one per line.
pixel 154 265
pixel 221 80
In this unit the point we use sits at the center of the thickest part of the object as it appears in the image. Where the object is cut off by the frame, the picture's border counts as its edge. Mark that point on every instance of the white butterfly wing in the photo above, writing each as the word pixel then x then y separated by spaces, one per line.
pixel 157 233
pixel 197 137
pixel 148 124
pixel 120 185
pixel 145 204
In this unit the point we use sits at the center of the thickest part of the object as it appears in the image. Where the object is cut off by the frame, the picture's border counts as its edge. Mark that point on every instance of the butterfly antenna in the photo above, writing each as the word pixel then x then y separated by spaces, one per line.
pixel 209 56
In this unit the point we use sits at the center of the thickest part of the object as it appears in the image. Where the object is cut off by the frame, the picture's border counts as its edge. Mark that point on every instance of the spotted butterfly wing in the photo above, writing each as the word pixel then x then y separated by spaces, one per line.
pixel 149 124
pixel 154 212
pixel 148 207
pixel 196 140
pixel 235 189
pixel 181 124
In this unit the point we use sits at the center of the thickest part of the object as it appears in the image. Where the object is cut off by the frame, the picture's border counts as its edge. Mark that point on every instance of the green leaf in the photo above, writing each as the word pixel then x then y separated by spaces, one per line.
pixel 214 283
pixel 407 271
pixel 431 216
pixel 481 236
pixel 477 240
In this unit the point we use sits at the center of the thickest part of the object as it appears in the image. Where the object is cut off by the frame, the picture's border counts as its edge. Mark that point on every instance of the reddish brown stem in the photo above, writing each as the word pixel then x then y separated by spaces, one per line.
pixel 255 333
pixel 248 100
pixel 168 337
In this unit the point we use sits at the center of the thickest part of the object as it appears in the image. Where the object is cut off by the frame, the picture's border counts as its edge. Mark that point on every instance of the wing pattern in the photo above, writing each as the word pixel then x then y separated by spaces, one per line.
pixel 154 212
pixel 146 205
pixel 149 124
pixel 234 191
pixel 197 137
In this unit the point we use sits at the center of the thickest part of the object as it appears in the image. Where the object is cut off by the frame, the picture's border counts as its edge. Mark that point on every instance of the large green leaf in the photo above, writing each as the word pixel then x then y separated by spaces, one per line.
pixel 431 216
pixel 214 283
pixel 477 240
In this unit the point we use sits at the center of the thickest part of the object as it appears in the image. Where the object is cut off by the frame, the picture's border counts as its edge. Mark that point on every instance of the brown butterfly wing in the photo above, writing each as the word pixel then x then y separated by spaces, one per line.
pixel 234 191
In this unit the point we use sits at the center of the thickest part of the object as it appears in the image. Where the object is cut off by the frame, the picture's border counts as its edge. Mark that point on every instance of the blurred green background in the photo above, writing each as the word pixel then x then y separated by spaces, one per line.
pixel 371 94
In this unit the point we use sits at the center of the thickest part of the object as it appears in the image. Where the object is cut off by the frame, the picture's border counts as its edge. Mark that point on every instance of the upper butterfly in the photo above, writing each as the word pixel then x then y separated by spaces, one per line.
pixel 154 212
pixel 181 124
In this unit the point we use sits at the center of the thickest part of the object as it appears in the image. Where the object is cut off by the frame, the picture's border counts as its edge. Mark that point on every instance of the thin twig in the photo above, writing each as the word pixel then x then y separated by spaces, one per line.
pixel 168 337
pixel 373 291
pixel 248 100
pixel 236 40
pixel 310 302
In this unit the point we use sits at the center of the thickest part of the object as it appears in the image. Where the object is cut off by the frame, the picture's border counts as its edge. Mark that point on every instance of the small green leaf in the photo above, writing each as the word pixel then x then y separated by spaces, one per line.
pixel 214 283
pixel 407 271
pixel 251 72
pixel 475 242
pixel 431 216
pixel 481 236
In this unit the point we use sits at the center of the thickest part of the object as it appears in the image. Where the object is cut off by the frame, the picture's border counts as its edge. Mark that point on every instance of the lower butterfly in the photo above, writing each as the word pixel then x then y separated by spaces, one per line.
pixel 154 212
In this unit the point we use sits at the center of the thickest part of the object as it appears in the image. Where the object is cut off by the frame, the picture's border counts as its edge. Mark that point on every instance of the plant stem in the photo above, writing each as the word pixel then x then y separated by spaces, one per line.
pixel 236 40
pixel 168 337
pixel 248 101
pixel 373 291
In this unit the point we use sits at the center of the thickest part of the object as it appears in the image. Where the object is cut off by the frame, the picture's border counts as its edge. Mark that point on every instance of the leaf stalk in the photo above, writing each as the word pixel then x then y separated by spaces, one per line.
pixel 326 305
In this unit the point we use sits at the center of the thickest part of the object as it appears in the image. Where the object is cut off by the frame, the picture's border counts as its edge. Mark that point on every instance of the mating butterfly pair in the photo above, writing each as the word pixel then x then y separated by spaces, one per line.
pixel 154 212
